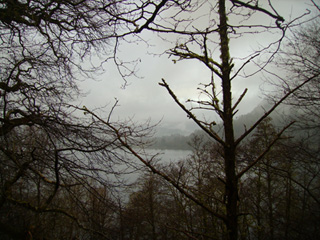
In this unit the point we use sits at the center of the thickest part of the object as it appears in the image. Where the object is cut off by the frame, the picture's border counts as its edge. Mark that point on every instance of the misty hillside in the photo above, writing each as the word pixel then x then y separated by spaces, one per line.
pixel 178 140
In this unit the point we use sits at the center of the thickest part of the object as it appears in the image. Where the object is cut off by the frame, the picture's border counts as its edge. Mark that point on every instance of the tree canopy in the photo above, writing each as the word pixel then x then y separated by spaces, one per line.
pixel 64 167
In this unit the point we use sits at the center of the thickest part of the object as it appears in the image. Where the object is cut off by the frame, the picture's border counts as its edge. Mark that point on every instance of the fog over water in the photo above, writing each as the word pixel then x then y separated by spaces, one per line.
pixel 170 155
pixel 144 99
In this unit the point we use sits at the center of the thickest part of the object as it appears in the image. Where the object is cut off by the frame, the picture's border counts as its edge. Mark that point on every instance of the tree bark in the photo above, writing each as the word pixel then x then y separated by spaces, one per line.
pixel 231 183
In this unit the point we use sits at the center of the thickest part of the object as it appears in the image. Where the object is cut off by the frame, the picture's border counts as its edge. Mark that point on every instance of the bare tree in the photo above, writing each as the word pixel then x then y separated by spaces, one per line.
pixel 44 44
pixel 299 60
pixel 48 146
pixel 209 43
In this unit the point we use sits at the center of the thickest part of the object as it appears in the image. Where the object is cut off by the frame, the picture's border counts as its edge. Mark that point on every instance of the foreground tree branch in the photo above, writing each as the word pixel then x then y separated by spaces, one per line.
pixel 286 96
pixel 190 115
pixel 125 142
pixel 267 149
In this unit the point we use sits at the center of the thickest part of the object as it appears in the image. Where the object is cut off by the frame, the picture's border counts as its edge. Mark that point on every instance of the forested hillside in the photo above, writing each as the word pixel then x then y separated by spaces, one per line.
pixel 70 170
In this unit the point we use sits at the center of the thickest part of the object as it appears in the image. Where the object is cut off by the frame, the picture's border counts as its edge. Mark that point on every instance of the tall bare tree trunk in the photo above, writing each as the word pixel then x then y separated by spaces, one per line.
pixel 231 184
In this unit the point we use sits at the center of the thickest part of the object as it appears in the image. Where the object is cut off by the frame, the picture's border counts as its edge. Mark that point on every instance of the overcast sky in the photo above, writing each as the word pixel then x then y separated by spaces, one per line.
pixel 143 98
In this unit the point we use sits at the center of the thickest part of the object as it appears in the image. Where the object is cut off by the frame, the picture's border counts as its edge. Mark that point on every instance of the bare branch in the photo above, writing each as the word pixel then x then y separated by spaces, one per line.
pixel 154 14
pixel 239 100
pixel 209 62
pixel 315 5
pixel 257 8
pixel 247 132
pixel 278 136
pixel 190 114
pixel 243 65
